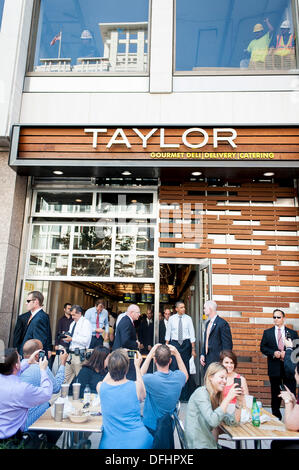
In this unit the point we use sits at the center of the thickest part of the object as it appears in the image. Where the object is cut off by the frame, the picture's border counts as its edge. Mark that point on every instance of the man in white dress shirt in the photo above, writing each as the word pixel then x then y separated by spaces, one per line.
pixel 180 333
pixel 79 338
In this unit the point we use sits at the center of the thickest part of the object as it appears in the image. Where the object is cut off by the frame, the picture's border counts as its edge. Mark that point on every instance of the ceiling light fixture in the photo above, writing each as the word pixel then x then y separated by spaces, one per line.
pixel 196 173
pixel 269 173
pixel 58 172
pixel 126 173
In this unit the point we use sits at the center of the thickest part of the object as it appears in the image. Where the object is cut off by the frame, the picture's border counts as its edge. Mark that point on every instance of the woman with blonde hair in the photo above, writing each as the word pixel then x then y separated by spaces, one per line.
pixel 206 409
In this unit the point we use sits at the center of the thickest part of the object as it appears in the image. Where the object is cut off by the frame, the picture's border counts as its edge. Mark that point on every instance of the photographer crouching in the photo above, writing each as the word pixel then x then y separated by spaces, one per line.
pixel 78 338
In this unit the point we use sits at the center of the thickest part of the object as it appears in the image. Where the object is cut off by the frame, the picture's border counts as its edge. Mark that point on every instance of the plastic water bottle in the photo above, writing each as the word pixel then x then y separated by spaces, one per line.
pixel 255 413
pixel 87 394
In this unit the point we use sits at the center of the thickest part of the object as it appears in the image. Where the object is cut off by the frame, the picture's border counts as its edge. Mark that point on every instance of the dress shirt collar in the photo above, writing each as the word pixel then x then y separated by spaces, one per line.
pixel 36 311
pixel 282 329
pixel 212 321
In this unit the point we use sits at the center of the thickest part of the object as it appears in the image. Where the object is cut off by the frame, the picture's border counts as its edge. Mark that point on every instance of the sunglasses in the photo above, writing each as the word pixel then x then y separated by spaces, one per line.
pixel 29 300
pixel 277 318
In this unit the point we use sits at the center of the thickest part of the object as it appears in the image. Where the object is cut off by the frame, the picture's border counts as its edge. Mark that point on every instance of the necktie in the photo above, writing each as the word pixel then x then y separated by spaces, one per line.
pixel 73 329
pixel 29 319
pixel 180 331
pixel 279 340
pixel 207 336
pixel 98 325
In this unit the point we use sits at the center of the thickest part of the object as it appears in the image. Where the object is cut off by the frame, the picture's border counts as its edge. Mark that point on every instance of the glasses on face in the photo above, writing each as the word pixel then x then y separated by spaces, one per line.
pixel 277 318
pixel 29 300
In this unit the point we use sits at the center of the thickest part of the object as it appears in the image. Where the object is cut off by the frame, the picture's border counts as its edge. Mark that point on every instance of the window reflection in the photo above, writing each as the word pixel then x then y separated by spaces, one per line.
pixel 48 265
pixel 92 238
pixel 134 238
pixel 129 203
pixel 1 10
pixel 64 203
pixel 50 237
pixel 92 36
pixel 134 266
pixel 91 265
pixel 223 34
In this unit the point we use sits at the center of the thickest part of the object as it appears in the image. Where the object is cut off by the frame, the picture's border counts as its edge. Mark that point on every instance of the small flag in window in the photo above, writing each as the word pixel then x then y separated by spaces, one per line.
pixel 56 38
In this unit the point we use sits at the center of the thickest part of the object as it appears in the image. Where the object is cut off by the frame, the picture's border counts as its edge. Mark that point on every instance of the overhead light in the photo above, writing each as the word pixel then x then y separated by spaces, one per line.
pixel 269 173
pixel 86 34
pixel 58 172
pixel 126 173
pixel 134 201
pixel 196 173
pixel 78 200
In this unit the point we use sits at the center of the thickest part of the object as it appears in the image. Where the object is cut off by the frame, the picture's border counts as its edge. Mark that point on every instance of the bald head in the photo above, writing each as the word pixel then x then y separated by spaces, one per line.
pixel 133 311
pixel 31 346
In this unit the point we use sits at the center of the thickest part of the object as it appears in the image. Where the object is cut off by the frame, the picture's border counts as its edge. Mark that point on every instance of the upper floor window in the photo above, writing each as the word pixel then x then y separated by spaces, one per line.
pixel 1 10
pixel 92 36
pixel 231 35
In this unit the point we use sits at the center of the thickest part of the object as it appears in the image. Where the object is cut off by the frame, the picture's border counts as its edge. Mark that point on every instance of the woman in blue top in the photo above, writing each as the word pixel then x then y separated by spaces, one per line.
pixel 120 397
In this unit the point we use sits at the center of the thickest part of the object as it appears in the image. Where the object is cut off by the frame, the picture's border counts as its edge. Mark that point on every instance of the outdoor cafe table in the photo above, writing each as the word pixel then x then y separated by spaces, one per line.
pixel 47 423
pixel 273 429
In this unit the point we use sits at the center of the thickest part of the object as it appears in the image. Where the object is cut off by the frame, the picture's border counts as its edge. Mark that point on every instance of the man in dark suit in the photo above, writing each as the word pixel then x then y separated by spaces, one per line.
pixel 163 325
pixel 272 346
pixel 20 329
pixel 125 336
pixel 217 336
pixel 146 332
pixel 38 324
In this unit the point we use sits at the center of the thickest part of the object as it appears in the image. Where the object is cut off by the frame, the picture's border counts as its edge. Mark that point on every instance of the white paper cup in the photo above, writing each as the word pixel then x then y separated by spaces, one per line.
pixel 76 391
pixel 64 390
pixel 58 411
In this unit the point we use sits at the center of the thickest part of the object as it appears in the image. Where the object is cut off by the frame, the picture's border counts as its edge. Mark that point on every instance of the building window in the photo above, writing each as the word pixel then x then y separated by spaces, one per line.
pixel 1 11
pixel 229 35
pixel 92 36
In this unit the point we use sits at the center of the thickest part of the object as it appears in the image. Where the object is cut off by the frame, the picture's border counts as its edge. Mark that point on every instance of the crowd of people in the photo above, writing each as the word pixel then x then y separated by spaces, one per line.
pixel 137 404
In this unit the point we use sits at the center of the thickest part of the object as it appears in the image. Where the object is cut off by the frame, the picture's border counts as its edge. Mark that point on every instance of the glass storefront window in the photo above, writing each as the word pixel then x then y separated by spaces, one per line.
pixel 92 238
pixel 50 237
pixel 63 203
pixel 125 203
pixel 91 265
pixel 134 238
pixel 134 266
pixel 225 35
pixel 42 264
pixel 92 36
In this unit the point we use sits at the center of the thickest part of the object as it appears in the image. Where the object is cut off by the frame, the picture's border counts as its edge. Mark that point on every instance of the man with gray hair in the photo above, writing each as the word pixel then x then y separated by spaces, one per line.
pixel 125 335
pixel 217 336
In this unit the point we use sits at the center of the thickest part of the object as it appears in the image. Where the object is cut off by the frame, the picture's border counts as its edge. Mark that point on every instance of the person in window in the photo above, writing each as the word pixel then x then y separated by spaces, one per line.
pixel 93 370
pixel 285 41
pixel 259 46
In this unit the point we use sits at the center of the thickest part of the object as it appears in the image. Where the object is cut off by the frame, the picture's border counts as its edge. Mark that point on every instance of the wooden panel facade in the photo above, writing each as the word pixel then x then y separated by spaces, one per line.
pixel 75 143
pixel 250 232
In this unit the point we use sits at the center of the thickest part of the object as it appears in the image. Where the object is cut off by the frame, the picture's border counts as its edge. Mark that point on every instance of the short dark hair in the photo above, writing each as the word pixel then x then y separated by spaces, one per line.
pixel 278 310
pixel 38 296
pixel 78 308
pixel 11 358
pixel 100 301
pixel 66 304
pixel 163 355
pixel 179 302
pixel 118 364
pixel 228 353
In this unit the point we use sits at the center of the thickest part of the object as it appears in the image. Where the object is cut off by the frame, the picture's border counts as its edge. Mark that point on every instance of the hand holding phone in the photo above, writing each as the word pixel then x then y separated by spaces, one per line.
pixel 237 380
pixel 41 355
pixel 282 388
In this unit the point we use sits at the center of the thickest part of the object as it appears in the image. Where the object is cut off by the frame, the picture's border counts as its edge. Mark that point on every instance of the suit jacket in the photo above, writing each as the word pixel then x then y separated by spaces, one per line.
pixel 39 328
pixel 269 346
pixel 162 331
pixel 125 335
pixel 220 338
pixel 20 330
pixel 146 333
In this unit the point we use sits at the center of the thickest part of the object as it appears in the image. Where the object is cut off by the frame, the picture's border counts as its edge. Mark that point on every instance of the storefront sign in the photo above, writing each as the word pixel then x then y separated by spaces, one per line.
pixel 153 144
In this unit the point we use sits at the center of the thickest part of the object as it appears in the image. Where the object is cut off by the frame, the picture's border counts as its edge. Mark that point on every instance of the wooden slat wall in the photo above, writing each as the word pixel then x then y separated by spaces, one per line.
pixel 73 143
pixel 249 308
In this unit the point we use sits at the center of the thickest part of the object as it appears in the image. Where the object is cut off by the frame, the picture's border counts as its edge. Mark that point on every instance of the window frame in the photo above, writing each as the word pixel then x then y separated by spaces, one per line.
pixel 32 49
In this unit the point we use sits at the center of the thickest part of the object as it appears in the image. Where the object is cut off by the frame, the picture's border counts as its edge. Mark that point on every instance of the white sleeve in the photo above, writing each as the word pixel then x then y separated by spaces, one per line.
pixel 191 331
